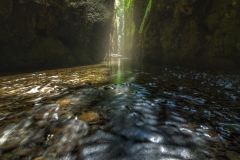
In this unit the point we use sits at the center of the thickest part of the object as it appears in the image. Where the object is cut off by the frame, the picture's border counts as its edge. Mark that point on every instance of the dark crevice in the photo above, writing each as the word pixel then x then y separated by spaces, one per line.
pixel 42 32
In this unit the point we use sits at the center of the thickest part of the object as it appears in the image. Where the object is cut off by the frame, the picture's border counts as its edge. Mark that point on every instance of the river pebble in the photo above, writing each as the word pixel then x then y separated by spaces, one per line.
pixel 231 155
pixel 89 117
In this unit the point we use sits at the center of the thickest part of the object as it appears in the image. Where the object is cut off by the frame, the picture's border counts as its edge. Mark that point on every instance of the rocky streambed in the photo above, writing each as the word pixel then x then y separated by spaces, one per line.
pixel 117 110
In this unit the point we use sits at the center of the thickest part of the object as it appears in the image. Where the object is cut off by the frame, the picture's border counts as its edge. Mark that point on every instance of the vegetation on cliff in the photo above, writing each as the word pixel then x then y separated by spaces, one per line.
pixel 196 33
pixel 64 33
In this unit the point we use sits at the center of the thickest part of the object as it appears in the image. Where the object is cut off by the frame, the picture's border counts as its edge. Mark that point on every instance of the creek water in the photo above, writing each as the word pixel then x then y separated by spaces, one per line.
pixel 120 110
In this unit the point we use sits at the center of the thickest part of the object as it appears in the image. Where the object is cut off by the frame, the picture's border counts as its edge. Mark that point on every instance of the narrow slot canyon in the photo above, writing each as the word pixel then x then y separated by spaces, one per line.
pixel 119 79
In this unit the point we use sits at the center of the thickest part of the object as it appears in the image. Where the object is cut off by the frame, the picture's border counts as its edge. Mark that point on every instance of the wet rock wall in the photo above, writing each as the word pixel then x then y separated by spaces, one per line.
pixel 201 33
pixel 53 33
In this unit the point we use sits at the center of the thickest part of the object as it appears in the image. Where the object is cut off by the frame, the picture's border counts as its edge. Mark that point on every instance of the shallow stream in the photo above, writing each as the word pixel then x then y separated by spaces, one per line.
pixel 120 110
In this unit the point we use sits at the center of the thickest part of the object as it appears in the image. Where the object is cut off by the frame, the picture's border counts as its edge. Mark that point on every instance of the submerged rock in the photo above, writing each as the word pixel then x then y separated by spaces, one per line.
pixel 43 123
pixel 63 102
pixel 89 117
pixel 231 155
pixel 229 86
pixel 212 133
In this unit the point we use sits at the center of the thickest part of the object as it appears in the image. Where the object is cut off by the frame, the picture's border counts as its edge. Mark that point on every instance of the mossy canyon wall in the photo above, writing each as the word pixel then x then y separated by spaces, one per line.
pixel 53 33
pixel 203 33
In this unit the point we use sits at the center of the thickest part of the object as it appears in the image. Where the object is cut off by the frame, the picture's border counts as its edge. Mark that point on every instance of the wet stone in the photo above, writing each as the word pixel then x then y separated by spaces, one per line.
pixel 67 115
pixel 233 148
pixel 229 86
pixel 238 146
pixel 24 151
pixel 6 156
pixel 40 116
pixel 220 154
pixel 43 123
pixel 107 87
pixel 9 145
pixel 63 102
pixel 235 142
pixel 48 101
pixel 212 133
pixel 55 131
pixel 89 117
pixel 231 155
pixel 2 117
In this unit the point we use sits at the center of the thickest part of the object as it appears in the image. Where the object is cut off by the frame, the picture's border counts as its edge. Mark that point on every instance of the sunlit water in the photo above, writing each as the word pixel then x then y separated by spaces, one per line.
pixel 120 110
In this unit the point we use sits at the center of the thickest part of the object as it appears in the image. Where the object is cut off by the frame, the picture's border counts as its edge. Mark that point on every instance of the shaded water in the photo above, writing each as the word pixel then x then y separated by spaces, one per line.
pixel 118 110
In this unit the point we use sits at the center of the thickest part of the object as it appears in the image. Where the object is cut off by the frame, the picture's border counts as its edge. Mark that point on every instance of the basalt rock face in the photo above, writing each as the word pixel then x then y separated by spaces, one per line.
pixel 42 33
pixel 202 33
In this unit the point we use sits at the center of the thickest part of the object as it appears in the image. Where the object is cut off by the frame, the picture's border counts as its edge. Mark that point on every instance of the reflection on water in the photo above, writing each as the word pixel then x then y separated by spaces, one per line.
pixel 120 110
pixel 121 70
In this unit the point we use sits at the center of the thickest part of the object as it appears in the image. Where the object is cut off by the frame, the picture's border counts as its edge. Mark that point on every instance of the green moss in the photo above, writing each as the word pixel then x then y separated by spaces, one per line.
pixel 129 25
pixel 128 4
pixel 131 30
pixel 130 34
pixel 147 11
